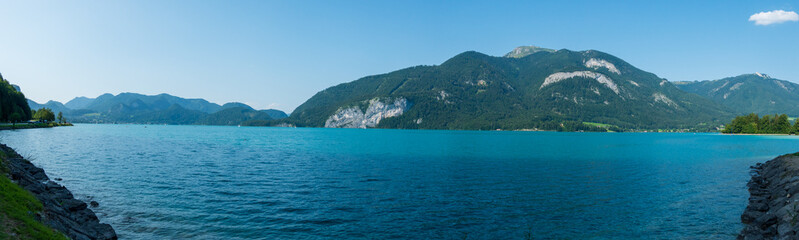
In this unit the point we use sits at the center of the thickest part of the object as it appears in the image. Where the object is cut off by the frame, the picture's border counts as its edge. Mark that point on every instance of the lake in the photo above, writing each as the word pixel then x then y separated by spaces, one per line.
pixel 212 182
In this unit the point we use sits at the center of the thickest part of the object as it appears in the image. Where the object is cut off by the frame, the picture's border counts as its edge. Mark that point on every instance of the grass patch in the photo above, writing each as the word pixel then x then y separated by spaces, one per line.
pixel 598 124
pixel 602 125
pixel 17 208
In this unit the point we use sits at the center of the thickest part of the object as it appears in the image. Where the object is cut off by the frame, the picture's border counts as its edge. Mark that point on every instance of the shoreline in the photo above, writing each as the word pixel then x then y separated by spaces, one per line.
pixel 414 129
pixel 61 211
pixel 773 208
pixel 33 125
pixel 759 134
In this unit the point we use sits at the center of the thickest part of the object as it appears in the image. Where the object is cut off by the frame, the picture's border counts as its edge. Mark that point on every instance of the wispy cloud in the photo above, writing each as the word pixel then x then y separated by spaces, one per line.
pixel 774 17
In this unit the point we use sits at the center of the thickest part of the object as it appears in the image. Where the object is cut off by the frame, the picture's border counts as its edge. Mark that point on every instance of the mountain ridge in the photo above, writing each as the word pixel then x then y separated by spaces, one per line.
pixel 749 93
pixel 528 88
pixel 523 51
pixel 162 108
pixel 476 91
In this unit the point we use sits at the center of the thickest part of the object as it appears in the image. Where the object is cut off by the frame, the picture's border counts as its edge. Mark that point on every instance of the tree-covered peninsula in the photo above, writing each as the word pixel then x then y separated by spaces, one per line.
pixel 753 124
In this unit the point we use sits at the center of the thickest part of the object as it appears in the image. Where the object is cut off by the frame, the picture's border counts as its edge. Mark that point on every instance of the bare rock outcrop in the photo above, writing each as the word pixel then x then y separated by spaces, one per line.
pixel 354 117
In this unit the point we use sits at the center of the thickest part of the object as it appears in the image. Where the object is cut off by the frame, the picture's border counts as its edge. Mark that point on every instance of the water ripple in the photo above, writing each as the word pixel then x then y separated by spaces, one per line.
pixel 199 182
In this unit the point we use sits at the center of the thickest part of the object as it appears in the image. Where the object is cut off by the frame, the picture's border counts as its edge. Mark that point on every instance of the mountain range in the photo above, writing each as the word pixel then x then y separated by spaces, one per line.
pixel 528 88
pixel 749 93
pixel 156 109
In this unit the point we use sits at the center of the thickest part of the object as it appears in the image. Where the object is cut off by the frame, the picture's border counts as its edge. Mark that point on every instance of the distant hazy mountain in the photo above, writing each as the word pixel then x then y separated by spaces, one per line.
pixel 52 105
pixel 749 93
pixel 235 105
pixel 233 116
pixel 174 114
pixel 155 109
pixel 135 101
pixel 79 103
pixel 529 88
pixel 275 114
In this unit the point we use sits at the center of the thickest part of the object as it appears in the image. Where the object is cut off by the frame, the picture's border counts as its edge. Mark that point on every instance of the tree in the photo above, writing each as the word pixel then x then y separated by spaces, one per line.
pixel 37 115
pixel 782 125
pixel 15 117
pixel 44 115
pixel 766 125
pixel 796 127
pixel 50 116
pixel 750 127
pixel 744 124
pixel 777 124
pixel 60 117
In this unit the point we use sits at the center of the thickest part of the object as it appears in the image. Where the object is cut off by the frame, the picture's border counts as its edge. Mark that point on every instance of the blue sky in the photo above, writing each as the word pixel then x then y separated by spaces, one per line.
pixel 278 54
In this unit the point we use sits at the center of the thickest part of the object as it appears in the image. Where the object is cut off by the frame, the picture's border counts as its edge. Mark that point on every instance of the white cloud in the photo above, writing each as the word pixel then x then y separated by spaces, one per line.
pixel 773 17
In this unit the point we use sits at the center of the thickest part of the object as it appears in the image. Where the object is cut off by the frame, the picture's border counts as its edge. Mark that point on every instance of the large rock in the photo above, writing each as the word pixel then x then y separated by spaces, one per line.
pixel 773 210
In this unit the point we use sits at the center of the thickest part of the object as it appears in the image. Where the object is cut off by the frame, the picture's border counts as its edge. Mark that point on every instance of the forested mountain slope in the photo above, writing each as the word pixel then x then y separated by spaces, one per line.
pixel 529 89
pixel 749 93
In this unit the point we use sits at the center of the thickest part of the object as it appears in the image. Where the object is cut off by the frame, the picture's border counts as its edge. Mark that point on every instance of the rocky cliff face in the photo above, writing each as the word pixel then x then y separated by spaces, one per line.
pixel 353 117
pixel 62 211
pixel 773 211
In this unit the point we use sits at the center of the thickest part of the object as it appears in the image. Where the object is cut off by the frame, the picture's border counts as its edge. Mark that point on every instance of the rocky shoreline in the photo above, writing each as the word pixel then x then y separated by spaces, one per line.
pixel 62 211
pixel 773 210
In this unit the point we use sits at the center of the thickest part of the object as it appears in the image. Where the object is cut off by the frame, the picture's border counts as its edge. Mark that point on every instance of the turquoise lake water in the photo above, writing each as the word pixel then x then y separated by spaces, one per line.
pixel 206 182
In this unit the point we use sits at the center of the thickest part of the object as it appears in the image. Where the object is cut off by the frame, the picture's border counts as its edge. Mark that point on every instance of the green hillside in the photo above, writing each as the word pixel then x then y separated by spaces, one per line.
pixel 749 93
pixel 541 90
pixel 156 109
pixel 52 105
pixel 13 104
pixel 233 116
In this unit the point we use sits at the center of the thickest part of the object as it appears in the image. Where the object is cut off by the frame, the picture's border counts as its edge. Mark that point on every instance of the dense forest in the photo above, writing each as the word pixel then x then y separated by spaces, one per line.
pixel 13 104
pixel 753 124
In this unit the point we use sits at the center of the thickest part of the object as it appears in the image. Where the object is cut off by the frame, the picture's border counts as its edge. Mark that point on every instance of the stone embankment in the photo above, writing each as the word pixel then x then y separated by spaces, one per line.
pixel 62 211
pixel 773 211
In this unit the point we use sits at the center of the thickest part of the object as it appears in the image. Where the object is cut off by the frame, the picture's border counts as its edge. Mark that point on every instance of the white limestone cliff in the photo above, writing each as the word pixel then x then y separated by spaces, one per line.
pixel 560 76
pixel 353 117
